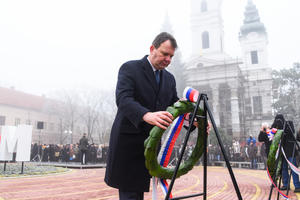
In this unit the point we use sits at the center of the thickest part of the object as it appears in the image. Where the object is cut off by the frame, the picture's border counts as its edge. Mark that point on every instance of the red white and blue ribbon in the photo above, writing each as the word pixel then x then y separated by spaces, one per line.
pixel 275 186
pixel 292 166
pixel 271 133
pixel 190 94
pixel 166 152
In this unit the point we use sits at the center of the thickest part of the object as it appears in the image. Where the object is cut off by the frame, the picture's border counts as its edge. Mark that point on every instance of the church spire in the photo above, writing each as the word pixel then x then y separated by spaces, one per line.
pixel 166 26
pixel 252 20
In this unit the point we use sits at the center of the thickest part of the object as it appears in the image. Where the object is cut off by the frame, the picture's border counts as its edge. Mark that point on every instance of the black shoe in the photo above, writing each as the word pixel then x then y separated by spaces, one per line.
pixel 284 188
pixel 297 190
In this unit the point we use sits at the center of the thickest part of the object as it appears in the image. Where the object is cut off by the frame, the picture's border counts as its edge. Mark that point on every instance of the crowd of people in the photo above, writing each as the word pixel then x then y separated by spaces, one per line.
pixel 245 151
pixel 68 153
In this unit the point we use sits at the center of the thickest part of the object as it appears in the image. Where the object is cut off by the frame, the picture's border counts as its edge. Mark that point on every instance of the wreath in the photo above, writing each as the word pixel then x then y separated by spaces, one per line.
pixel 152 142
pixel 271 163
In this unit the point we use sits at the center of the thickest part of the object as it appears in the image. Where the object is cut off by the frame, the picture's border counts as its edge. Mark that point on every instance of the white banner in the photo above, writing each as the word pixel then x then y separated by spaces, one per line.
pixel 15 139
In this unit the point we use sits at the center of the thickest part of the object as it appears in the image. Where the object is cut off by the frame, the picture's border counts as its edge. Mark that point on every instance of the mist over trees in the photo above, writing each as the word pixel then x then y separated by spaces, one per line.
pixel 81 111
pixel 286 87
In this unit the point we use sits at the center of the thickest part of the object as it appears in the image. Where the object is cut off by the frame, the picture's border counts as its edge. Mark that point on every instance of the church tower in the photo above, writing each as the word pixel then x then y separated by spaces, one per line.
pixel 258 75
pixel 253 39
pixel 206 27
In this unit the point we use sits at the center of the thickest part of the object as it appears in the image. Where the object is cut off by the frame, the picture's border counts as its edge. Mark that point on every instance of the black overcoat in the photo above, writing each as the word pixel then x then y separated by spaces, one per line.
pixel 136 94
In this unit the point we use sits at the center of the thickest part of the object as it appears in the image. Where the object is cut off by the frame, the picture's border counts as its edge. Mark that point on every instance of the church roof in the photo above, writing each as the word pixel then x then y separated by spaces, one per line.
pixel 252 20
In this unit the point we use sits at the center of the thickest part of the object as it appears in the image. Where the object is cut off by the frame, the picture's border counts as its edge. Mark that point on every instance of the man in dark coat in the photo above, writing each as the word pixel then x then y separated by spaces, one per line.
pixel 142 96
pixel 288 143
pixel 83 146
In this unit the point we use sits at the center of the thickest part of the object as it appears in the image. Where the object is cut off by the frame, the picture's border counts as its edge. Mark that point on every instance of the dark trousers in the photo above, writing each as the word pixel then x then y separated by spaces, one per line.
pixel 131 195
pixel 83 157
pixel 285 173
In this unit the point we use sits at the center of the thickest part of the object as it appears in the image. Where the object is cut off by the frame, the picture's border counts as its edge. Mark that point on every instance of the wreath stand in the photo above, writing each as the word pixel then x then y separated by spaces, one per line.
pixel 203 97
pixel 277 161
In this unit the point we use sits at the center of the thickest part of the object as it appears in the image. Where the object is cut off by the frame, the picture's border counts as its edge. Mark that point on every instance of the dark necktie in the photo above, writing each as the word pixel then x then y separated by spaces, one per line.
pixel 157 77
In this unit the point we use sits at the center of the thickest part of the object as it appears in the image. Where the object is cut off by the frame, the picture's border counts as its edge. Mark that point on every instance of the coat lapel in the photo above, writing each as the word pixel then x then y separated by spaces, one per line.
pixel 150 74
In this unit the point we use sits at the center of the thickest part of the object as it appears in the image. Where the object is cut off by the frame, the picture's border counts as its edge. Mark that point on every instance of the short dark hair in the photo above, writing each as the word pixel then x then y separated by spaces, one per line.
pixel 162 37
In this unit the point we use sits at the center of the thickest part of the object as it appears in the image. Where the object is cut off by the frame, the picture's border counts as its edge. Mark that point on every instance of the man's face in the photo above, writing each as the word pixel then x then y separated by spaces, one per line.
pixel 161 57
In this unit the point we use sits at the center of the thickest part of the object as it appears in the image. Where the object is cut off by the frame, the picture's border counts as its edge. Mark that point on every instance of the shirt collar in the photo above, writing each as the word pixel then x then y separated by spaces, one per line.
pixel 151 64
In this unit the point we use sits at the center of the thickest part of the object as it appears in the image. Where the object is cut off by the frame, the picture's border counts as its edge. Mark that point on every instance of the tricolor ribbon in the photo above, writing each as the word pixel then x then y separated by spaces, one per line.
pixel 166 152
pixel 190 94
pixel 271 133
pixel 292 166
pixel 275 186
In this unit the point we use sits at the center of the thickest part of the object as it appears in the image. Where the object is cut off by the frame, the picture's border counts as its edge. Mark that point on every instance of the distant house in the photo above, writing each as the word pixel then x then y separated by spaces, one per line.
pixel 17 107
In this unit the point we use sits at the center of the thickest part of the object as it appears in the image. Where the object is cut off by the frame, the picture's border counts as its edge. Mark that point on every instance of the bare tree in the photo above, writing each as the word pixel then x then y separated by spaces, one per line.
pixel 66 108
pixel 91 109
pixel 105 119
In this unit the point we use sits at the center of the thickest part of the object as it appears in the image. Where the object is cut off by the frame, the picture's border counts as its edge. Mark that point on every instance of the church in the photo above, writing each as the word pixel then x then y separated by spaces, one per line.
pixel 239 89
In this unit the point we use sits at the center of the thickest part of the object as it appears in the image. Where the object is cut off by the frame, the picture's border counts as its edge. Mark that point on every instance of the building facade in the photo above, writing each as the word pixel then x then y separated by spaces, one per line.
pixel 239 90
pixel 17 107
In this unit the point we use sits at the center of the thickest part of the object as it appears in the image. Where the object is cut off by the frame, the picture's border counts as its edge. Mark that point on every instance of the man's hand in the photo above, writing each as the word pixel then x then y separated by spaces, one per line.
pixel 161 119
pixel 207 128
pixel 196 124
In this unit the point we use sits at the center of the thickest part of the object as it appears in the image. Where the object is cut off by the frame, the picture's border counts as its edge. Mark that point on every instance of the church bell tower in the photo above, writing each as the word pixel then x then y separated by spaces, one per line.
pixel 207 27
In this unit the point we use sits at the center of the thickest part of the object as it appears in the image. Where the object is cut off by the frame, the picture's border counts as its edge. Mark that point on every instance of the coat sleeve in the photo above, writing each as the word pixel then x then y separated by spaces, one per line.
pixel 125 95
pixel 262 137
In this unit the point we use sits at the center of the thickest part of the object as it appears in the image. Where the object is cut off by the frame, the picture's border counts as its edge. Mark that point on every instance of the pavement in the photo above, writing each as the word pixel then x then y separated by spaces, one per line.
pixel 88 184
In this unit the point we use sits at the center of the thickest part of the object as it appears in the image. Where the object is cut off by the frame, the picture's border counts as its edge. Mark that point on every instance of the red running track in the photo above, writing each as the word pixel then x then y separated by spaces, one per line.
pixel 89 184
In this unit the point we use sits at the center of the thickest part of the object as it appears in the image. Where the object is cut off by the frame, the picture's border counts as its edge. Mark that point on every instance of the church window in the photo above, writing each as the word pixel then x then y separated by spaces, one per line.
pixel 2 120
pixel 228 105
pixel 203 6
pixel 205 40
pixel 28 122
pixel 254 57
pixel 51 126
pixel 17 121
pixel 257 104
pixel 248 110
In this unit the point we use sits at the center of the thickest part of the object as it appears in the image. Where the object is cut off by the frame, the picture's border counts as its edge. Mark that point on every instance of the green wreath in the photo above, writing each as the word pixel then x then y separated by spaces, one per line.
pixel 152 142
pixel 271 163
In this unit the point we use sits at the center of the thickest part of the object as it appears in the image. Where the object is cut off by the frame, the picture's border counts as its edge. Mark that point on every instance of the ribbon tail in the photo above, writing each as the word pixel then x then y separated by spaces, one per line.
pixel 292 166
pixel 154 188
pixel 275 186
pixel 164 187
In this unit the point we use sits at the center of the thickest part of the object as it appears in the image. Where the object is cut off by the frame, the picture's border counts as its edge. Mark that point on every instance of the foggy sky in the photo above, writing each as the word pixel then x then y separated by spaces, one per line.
pixel 61 44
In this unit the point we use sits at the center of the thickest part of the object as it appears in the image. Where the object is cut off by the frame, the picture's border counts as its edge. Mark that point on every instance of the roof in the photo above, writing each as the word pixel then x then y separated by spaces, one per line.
pixel 14 98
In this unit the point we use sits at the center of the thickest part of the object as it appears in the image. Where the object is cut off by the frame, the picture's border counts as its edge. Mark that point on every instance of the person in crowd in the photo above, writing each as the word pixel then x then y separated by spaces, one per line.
pixel 263 137
pixel 76 153
pixel 236 150
pixel 252 151
pixel 99 153
pixel 93 153
pixel 56 154
pixel 251 139
pixel 144 91
pixel 83 146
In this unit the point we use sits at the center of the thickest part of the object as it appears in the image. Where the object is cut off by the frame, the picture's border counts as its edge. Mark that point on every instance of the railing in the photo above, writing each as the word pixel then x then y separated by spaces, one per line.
pixel 237 164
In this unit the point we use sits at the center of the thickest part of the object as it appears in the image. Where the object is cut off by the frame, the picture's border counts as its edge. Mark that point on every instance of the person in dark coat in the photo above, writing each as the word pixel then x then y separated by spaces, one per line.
pixel 252 154
pixel 83 146
pixel 263 137
pixel 144 91
pixel 288 143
